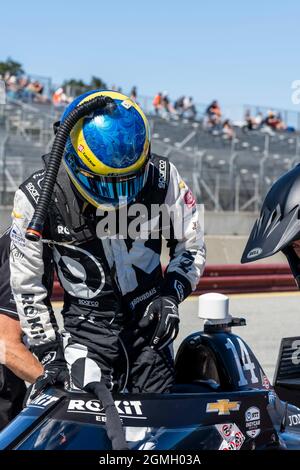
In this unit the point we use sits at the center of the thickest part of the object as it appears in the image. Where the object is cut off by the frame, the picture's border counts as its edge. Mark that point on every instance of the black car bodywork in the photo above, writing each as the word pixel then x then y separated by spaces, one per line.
pixel 222 400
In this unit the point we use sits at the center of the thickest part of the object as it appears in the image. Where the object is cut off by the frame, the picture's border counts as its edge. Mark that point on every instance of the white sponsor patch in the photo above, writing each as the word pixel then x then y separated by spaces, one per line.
pixel 252 417
pixel 233 438
pixel 126 104
pixel 254 253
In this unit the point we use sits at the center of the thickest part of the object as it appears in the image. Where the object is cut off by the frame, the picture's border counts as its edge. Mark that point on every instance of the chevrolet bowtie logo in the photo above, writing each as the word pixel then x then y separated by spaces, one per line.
pixel 223 407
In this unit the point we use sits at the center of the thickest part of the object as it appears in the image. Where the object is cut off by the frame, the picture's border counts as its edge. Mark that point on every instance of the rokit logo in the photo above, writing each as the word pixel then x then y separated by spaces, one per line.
pixel 43 400
pixel 61 230
pixel 125 408
pixel 162 168
pixel 252 417
pixel 33 319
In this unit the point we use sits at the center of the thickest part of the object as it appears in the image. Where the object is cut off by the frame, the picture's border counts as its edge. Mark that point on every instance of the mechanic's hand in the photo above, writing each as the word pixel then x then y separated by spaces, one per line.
pixel 164 312
pixel 52 375
pixel 56 371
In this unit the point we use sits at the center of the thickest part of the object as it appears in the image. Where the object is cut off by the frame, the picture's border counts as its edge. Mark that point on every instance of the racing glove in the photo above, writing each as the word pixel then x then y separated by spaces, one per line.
pixel 163 311
pixel 51 356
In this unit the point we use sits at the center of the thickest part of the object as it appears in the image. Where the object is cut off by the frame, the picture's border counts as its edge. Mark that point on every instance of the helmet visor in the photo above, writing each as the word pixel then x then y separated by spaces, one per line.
pixel 107 189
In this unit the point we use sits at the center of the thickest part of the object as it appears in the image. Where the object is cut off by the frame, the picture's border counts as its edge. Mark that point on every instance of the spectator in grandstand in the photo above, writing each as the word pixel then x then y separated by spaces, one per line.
pixel 34 90
pixel 166 101
pixel 258 120
pixel 157 102
pixel 59 98
pixel 249 120
pixel 11 86
pixel 214 114
pixel 227 129
pixel 133 94
pixel 23 82
pixel 167 107
pixel 274 121
pixel 179 105
pixel 189 108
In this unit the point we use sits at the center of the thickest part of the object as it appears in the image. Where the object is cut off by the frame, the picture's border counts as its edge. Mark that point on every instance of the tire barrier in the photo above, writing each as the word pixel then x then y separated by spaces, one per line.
pixel 236 278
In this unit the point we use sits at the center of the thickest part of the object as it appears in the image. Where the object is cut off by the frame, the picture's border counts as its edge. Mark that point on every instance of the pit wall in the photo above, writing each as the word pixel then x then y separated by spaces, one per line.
pixel 226 234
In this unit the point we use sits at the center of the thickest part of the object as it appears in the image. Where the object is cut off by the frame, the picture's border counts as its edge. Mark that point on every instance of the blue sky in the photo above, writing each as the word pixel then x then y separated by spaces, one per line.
pixel 235 51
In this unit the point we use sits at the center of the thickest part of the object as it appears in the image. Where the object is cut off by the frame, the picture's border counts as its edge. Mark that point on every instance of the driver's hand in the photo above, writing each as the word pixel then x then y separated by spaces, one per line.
pixel 163 312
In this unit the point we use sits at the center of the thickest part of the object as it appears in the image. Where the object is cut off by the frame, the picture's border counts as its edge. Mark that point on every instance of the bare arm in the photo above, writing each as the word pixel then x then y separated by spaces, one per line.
pixel 13 353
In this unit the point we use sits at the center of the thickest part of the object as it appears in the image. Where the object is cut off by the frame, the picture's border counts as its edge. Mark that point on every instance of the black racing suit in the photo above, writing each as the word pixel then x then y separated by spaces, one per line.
pixel 107 282
pixel 12 388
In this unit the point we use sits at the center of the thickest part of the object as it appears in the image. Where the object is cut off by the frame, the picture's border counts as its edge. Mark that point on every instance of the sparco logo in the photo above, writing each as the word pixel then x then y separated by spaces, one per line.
pixel 162 174
pixel 124 407
pixel 254 253
pixel 33 191
pixel 50 356
pixel 88 303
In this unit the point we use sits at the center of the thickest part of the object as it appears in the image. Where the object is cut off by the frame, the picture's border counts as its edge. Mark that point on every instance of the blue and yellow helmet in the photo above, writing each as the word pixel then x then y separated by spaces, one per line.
pixel 107 154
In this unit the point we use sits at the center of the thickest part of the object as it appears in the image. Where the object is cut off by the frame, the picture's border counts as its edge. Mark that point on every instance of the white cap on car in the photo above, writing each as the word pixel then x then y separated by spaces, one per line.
pixel 214 307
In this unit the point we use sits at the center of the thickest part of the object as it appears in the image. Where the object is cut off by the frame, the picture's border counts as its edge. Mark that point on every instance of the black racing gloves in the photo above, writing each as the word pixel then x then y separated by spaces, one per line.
pixel 162 311
pixel 51 356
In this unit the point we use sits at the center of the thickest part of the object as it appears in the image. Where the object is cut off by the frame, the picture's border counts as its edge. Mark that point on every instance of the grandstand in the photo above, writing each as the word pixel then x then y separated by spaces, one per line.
pixel 225 174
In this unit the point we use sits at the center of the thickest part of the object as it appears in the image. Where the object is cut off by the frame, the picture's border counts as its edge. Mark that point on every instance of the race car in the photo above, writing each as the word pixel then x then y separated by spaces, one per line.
pixel 222 400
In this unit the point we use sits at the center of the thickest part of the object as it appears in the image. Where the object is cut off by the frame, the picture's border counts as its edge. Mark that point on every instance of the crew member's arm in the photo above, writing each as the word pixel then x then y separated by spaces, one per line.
pixel 31 281
pixel 186 240
pixel 13 353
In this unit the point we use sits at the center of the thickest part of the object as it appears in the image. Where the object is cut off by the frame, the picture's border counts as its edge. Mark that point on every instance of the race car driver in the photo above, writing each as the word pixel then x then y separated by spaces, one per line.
pixel 16 362
pixel 118 306
pixel 278 226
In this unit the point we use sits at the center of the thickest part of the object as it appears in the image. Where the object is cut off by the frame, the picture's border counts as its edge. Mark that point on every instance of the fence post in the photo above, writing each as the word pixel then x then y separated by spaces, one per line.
pixel 237 194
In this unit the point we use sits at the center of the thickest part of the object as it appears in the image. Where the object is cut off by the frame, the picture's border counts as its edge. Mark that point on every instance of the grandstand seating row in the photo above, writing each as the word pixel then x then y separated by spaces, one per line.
pixel 225 174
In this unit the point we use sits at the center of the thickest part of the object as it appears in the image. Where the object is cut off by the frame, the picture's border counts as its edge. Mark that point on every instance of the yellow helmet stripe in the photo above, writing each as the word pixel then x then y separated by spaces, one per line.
pixel 89 158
